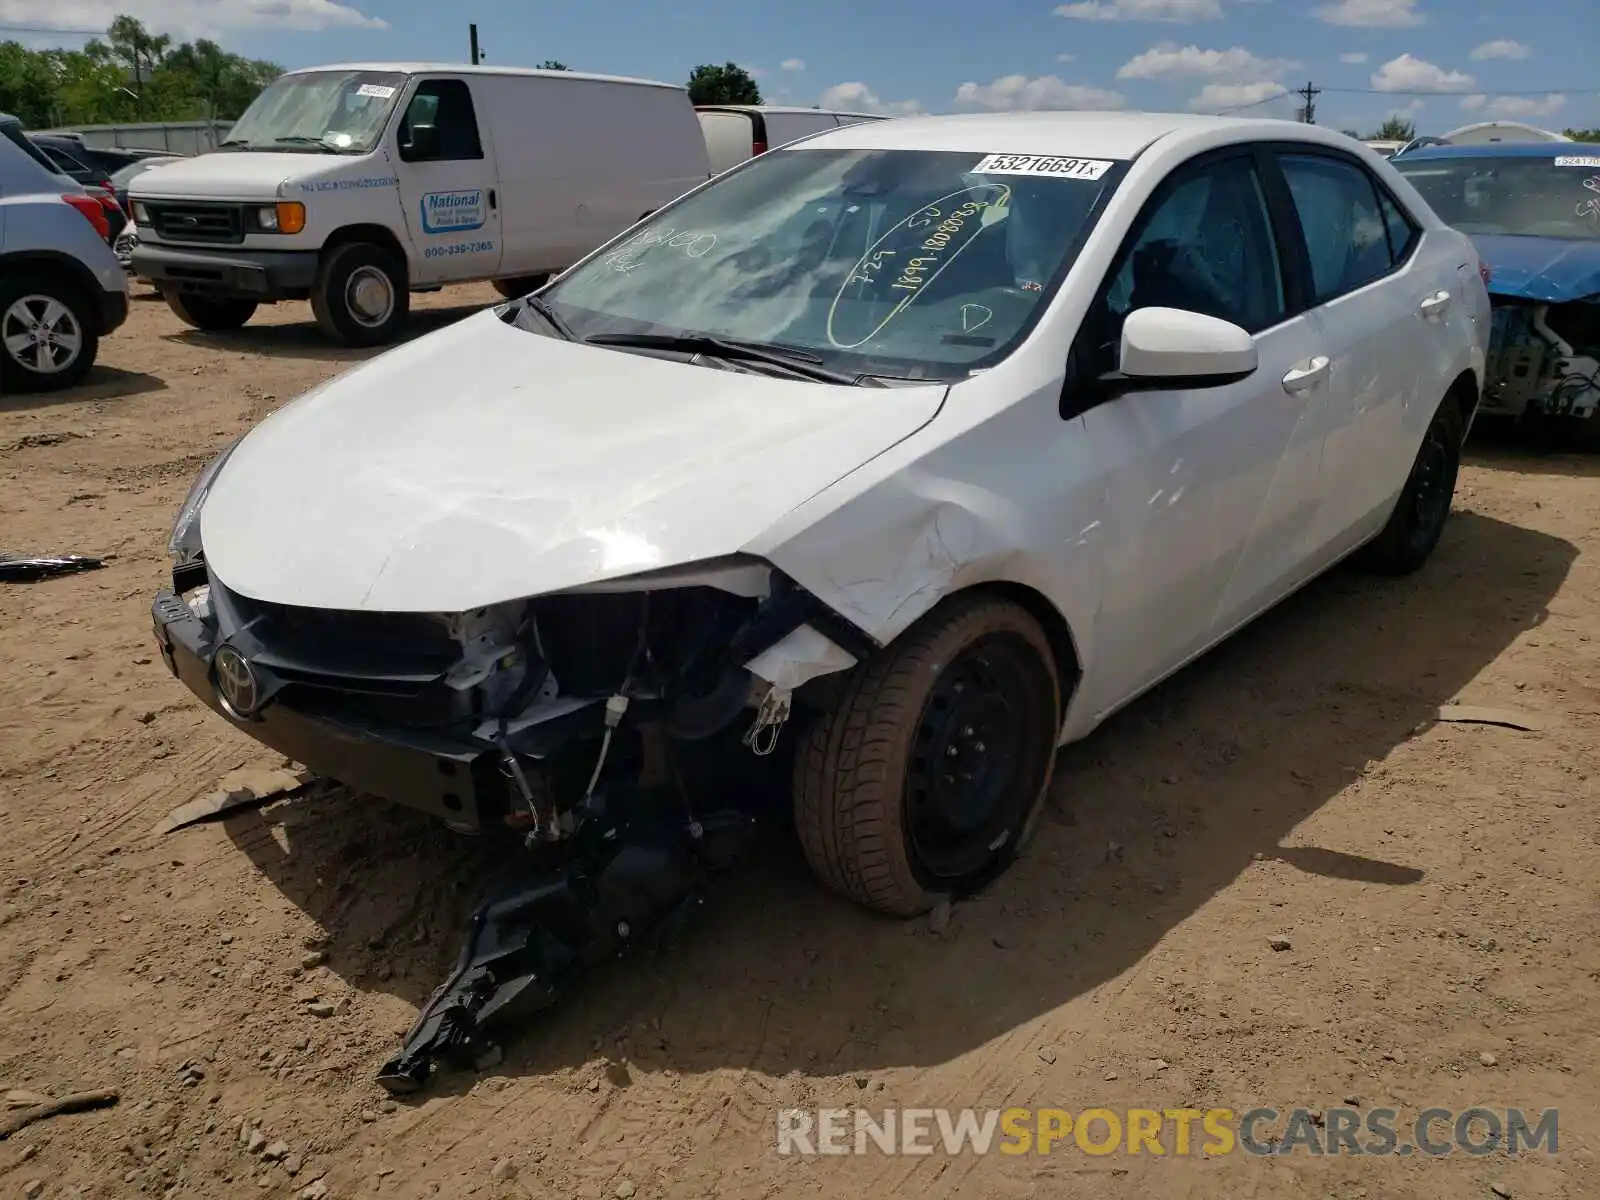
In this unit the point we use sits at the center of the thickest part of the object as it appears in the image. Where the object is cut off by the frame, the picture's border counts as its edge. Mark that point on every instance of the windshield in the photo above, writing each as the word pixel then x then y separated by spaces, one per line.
pixel 126 176
pixel 1534 197
pixel 331 112
pixel 914 264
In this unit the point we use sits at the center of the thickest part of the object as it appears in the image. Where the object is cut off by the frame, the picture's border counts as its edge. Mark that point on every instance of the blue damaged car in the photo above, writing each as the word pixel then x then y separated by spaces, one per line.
pixel 1533 211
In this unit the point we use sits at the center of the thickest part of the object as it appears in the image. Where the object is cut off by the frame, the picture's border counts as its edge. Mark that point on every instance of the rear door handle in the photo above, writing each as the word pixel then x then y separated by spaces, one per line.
pixel 1306 374
pixel 1435 304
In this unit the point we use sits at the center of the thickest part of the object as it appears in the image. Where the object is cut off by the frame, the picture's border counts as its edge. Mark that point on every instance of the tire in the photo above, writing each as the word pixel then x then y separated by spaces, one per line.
pixel 360 297
pixel 208 313
pixel 1419 516
pixel 33 305
pixel 877 826
pixel 516 289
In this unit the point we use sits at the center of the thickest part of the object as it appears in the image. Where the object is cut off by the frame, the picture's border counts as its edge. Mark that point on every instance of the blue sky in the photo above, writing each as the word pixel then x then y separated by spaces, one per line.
pixel 1441 62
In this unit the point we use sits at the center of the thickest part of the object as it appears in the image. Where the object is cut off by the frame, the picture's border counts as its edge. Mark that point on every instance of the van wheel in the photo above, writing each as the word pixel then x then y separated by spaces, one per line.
pixel 516 289
pixel 920 782
pixel 1419 516
pixel 208 313
pixel 48 340
pixel 360 297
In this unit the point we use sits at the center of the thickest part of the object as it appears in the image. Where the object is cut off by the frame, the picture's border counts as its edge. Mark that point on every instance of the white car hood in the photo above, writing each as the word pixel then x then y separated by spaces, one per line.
pixel 232 175
pixel 485 463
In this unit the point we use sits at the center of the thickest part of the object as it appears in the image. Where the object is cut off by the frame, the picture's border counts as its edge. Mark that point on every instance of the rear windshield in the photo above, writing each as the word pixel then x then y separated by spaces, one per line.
pixel 14 134
pixel 1531 197
pixel 909 263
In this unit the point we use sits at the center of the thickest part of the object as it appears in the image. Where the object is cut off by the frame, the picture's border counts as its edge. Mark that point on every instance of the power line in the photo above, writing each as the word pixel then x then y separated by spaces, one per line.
pixel 46 29
pixel 1310 92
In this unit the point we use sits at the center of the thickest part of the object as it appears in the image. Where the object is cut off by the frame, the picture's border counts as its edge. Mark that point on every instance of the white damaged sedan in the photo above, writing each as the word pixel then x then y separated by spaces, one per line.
pixel 899 457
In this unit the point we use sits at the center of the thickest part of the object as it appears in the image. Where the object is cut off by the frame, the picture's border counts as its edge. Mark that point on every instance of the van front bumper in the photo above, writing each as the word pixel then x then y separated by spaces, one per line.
pixel 264 275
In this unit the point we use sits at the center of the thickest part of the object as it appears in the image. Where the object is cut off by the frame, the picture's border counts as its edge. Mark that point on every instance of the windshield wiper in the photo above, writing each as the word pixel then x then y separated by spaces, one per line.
pixel 233 142
pixel 799 362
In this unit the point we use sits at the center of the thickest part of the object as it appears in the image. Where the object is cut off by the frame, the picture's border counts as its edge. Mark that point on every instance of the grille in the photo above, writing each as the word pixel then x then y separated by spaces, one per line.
pixel 195 222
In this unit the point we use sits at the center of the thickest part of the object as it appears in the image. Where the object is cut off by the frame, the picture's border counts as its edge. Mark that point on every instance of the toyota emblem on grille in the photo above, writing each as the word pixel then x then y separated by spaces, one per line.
pixel 237 685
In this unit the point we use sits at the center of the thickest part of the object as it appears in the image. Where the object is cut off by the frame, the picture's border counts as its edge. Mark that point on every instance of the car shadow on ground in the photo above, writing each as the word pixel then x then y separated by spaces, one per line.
pixel 1502 446
pixel 304 340
pixel 1149 818
pixel 102 383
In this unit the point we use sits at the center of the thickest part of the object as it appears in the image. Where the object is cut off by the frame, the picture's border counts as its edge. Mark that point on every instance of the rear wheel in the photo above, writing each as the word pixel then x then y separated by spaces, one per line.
pixel 209 313
pixel 48 339
pixel 921 780
pixel 360 297
pixel 1420 514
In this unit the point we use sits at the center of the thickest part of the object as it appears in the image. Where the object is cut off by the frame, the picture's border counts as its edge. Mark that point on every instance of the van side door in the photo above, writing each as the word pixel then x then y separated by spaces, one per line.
pixel 448 183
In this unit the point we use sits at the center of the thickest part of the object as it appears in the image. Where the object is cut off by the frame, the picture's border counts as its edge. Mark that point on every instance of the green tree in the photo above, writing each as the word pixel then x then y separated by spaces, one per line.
pixel 1394 129
pixel 1584 135
pixel 551 64
pixel 728 84
pixel 27 84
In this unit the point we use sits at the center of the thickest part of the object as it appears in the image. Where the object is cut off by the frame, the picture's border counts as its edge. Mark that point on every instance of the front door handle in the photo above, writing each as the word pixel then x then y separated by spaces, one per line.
pixel 1434 305
pixel 1306 374
pixel 491 198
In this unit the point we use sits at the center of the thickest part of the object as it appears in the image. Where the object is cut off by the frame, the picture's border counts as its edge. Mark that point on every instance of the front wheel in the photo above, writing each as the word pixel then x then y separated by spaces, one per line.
pixel 207 313
pixel 48 340
pixel 360 297
pixel 1419 516
pixel 920 782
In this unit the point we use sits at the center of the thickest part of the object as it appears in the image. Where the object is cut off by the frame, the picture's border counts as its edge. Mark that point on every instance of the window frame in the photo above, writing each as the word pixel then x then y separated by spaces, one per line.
pixel 1080 395
pixel 403 114
pixel 1277 151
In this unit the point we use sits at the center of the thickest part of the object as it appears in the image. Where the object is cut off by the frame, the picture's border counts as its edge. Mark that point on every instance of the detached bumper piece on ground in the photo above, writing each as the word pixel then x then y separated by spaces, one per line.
pixel 31 570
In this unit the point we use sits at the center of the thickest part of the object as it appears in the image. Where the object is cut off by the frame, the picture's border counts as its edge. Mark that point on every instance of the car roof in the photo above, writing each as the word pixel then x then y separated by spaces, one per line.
pixel 1498 150
pixel 783 108
pixel 444 68
pixel 1114 135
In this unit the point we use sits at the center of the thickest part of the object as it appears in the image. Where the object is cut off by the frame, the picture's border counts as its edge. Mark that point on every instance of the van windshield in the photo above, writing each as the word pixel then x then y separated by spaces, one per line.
pixel 904 263
pixel 319 112
pixel 1517 195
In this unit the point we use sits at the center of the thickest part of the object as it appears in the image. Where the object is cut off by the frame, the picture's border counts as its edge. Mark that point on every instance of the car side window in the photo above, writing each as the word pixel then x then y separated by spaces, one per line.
pixel 1206 246
pixel 1402 229
pixel 440 124
pixel 1346 234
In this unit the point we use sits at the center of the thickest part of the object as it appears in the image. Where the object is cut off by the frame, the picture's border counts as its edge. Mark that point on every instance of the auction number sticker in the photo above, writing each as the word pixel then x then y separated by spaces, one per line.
pixel 378 91
pixel 1039 164
pixel 1578 160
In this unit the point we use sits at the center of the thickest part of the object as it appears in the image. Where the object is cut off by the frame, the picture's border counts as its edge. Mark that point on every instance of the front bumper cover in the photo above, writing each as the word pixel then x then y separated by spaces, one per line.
pixel 265 275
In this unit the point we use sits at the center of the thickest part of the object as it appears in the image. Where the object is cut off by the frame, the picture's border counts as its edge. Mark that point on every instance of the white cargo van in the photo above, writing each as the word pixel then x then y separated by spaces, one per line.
pixel 353 186
pixel 738 132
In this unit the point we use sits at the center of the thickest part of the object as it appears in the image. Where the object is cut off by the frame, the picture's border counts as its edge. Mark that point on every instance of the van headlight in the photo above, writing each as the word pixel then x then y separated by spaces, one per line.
pixel 184 546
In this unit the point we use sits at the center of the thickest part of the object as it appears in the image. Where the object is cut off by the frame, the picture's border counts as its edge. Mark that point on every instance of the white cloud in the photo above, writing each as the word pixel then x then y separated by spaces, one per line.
pixel 1371 14
pixel 1218 97
pixel 1501 48
pixel 1141 10
pixel 1170 59
pixel 793 64
pixel 1066 58
pixel 858 97
pixel 1019 92
pixel 190 18
pixel 1410 74
pixel 1354 56
pixel 1516 106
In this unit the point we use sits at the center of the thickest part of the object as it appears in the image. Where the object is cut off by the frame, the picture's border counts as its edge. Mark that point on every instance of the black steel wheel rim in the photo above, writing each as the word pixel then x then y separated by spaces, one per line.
pixel 978 757
pixel 1431 483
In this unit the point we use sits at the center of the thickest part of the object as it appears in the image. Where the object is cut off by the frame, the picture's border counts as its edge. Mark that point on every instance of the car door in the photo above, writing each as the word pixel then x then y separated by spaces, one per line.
pixel 1201 519
pixel 1382 309
pixel 447 184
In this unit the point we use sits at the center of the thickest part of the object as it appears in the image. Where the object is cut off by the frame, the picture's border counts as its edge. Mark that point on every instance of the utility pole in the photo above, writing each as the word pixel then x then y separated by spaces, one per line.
pixel 1309 113
pixel 477 57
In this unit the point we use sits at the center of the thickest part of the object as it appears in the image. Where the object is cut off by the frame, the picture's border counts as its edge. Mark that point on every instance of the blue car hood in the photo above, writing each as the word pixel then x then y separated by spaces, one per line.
pixel 1542 269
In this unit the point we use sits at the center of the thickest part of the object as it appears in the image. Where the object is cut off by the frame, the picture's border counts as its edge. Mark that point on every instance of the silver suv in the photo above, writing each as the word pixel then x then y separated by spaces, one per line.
pixel 61 287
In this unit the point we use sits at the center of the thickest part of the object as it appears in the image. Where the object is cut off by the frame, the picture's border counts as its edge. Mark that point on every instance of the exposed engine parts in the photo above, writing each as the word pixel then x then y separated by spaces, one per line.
pixel 1544 360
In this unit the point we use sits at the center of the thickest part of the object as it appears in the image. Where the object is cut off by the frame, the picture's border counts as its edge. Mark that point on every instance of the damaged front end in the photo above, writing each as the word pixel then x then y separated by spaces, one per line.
pixel 605 728
pixel 1544 359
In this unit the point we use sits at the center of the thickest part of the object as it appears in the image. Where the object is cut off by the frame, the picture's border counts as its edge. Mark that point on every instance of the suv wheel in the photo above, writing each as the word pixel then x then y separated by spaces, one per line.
pixel 361 297
pixel 209 313
pixel 48 339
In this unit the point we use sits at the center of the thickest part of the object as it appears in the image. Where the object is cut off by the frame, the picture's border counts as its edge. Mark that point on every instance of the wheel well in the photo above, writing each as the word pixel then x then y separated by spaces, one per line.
pixel 1056 629
pixel 1464 391
pixel 54 265
pixel 377 235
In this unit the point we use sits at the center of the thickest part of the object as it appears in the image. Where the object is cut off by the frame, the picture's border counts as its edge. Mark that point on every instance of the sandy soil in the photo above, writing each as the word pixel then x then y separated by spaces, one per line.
pixel 1437 882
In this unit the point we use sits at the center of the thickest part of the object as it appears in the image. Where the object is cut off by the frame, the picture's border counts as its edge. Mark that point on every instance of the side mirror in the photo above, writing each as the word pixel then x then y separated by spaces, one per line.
pixel 1164 348
pixel 424 141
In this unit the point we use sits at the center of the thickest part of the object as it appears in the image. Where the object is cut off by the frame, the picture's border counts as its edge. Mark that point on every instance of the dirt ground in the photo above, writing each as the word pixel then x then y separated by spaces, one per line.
pixel 1435 881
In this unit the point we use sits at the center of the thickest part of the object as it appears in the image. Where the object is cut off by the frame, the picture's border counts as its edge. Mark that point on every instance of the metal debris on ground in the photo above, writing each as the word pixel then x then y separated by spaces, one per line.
pixel 18 569
pixel 241 789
